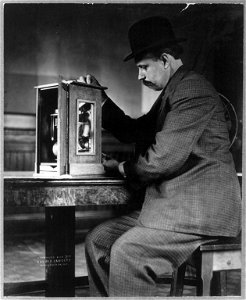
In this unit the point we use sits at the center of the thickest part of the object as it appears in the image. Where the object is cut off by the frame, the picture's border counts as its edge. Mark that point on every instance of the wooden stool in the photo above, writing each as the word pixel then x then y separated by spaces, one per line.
pixel 218 257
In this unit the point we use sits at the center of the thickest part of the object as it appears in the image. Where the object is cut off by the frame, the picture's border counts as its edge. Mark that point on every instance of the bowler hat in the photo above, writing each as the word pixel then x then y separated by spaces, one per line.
pixel 149 33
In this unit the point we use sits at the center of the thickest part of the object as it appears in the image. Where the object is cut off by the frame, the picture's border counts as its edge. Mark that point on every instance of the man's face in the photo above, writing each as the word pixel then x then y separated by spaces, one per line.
pixel 153 73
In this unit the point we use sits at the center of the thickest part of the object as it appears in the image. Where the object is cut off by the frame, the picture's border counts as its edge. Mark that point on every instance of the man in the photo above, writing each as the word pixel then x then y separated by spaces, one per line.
pixel 182 162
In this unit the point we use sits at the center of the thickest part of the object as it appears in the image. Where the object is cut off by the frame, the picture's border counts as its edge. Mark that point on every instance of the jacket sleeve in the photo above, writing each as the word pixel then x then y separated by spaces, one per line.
pixel 191 107
pixel 125 128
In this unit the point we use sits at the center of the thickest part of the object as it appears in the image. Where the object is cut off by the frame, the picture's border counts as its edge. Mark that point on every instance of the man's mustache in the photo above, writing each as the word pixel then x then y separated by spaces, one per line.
pixel 147 83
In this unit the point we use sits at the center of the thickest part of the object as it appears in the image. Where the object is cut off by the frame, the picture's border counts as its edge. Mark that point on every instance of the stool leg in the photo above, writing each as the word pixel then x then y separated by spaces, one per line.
pixel 199 281
pixel 177 284
pixel 219 284
pixel 223 283
pixel 206 272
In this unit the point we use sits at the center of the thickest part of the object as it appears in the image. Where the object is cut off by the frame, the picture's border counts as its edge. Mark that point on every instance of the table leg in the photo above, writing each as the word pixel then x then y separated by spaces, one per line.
pixel 60 251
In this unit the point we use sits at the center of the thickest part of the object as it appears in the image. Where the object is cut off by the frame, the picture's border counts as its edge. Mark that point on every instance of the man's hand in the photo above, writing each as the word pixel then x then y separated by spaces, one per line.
pixel 89 79
pixel 111 166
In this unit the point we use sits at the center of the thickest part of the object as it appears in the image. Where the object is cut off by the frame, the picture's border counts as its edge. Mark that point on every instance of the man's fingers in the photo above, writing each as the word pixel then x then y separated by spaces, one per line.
pixel 88 79
pixel 82 79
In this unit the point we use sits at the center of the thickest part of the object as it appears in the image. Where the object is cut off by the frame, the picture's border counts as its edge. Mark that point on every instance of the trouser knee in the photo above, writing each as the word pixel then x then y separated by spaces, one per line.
pixel 90 241
pixel 120 251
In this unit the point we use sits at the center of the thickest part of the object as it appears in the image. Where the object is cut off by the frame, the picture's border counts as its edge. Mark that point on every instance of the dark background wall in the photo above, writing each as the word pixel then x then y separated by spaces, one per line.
pixel 43 41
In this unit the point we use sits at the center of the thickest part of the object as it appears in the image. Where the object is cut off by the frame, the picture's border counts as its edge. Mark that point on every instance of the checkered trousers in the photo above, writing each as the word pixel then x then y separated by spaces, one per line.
pixel 125 259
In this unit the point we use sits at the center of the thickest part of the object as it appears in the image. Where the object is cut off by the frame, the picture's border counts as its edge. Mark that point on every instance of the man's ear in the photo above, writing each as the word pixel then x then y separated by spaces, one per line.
pixel 166 60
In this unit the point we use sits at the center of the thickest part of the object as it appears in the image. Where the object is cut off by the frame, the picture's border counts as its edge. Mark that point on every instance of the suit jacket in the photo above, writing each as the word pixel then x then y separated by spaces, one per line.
pixel 183 159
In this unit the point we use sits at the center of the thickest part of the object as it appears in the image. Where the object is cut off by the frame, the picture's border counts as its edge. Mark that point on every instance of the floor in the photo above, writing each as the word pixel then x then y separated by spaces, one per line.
pixel 24 259
pixel 23 262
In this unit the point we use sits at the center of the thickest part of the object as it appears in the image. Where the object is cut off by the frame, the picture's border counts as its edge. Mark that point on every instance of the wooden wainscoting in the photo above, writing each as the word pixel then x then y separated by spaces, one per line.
pixel 19 142
pixel 19 149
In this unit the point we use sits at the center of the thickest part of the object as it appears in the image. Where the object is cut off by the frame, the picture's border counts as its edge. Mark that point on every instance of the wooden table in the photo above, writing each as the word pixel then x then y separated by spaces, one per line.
pixel 59 196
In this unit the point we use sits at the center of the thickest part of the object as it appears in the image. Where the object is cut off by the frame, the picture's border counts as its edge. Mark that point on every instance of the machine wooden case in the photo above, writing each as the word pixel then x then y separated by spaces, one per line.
pixel 68 129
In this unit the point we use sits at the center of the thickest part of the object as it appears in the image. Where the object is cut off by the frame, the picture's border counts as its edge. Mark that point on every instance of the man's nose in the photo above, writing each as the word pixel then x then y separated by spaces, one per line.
pixel 141 76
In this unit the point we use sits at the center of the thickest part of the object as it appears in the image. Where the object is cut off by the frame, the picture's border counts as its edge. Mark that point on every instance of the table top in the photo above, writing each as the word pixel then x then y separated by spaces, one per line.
pixel 26 189
pixel 31 177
